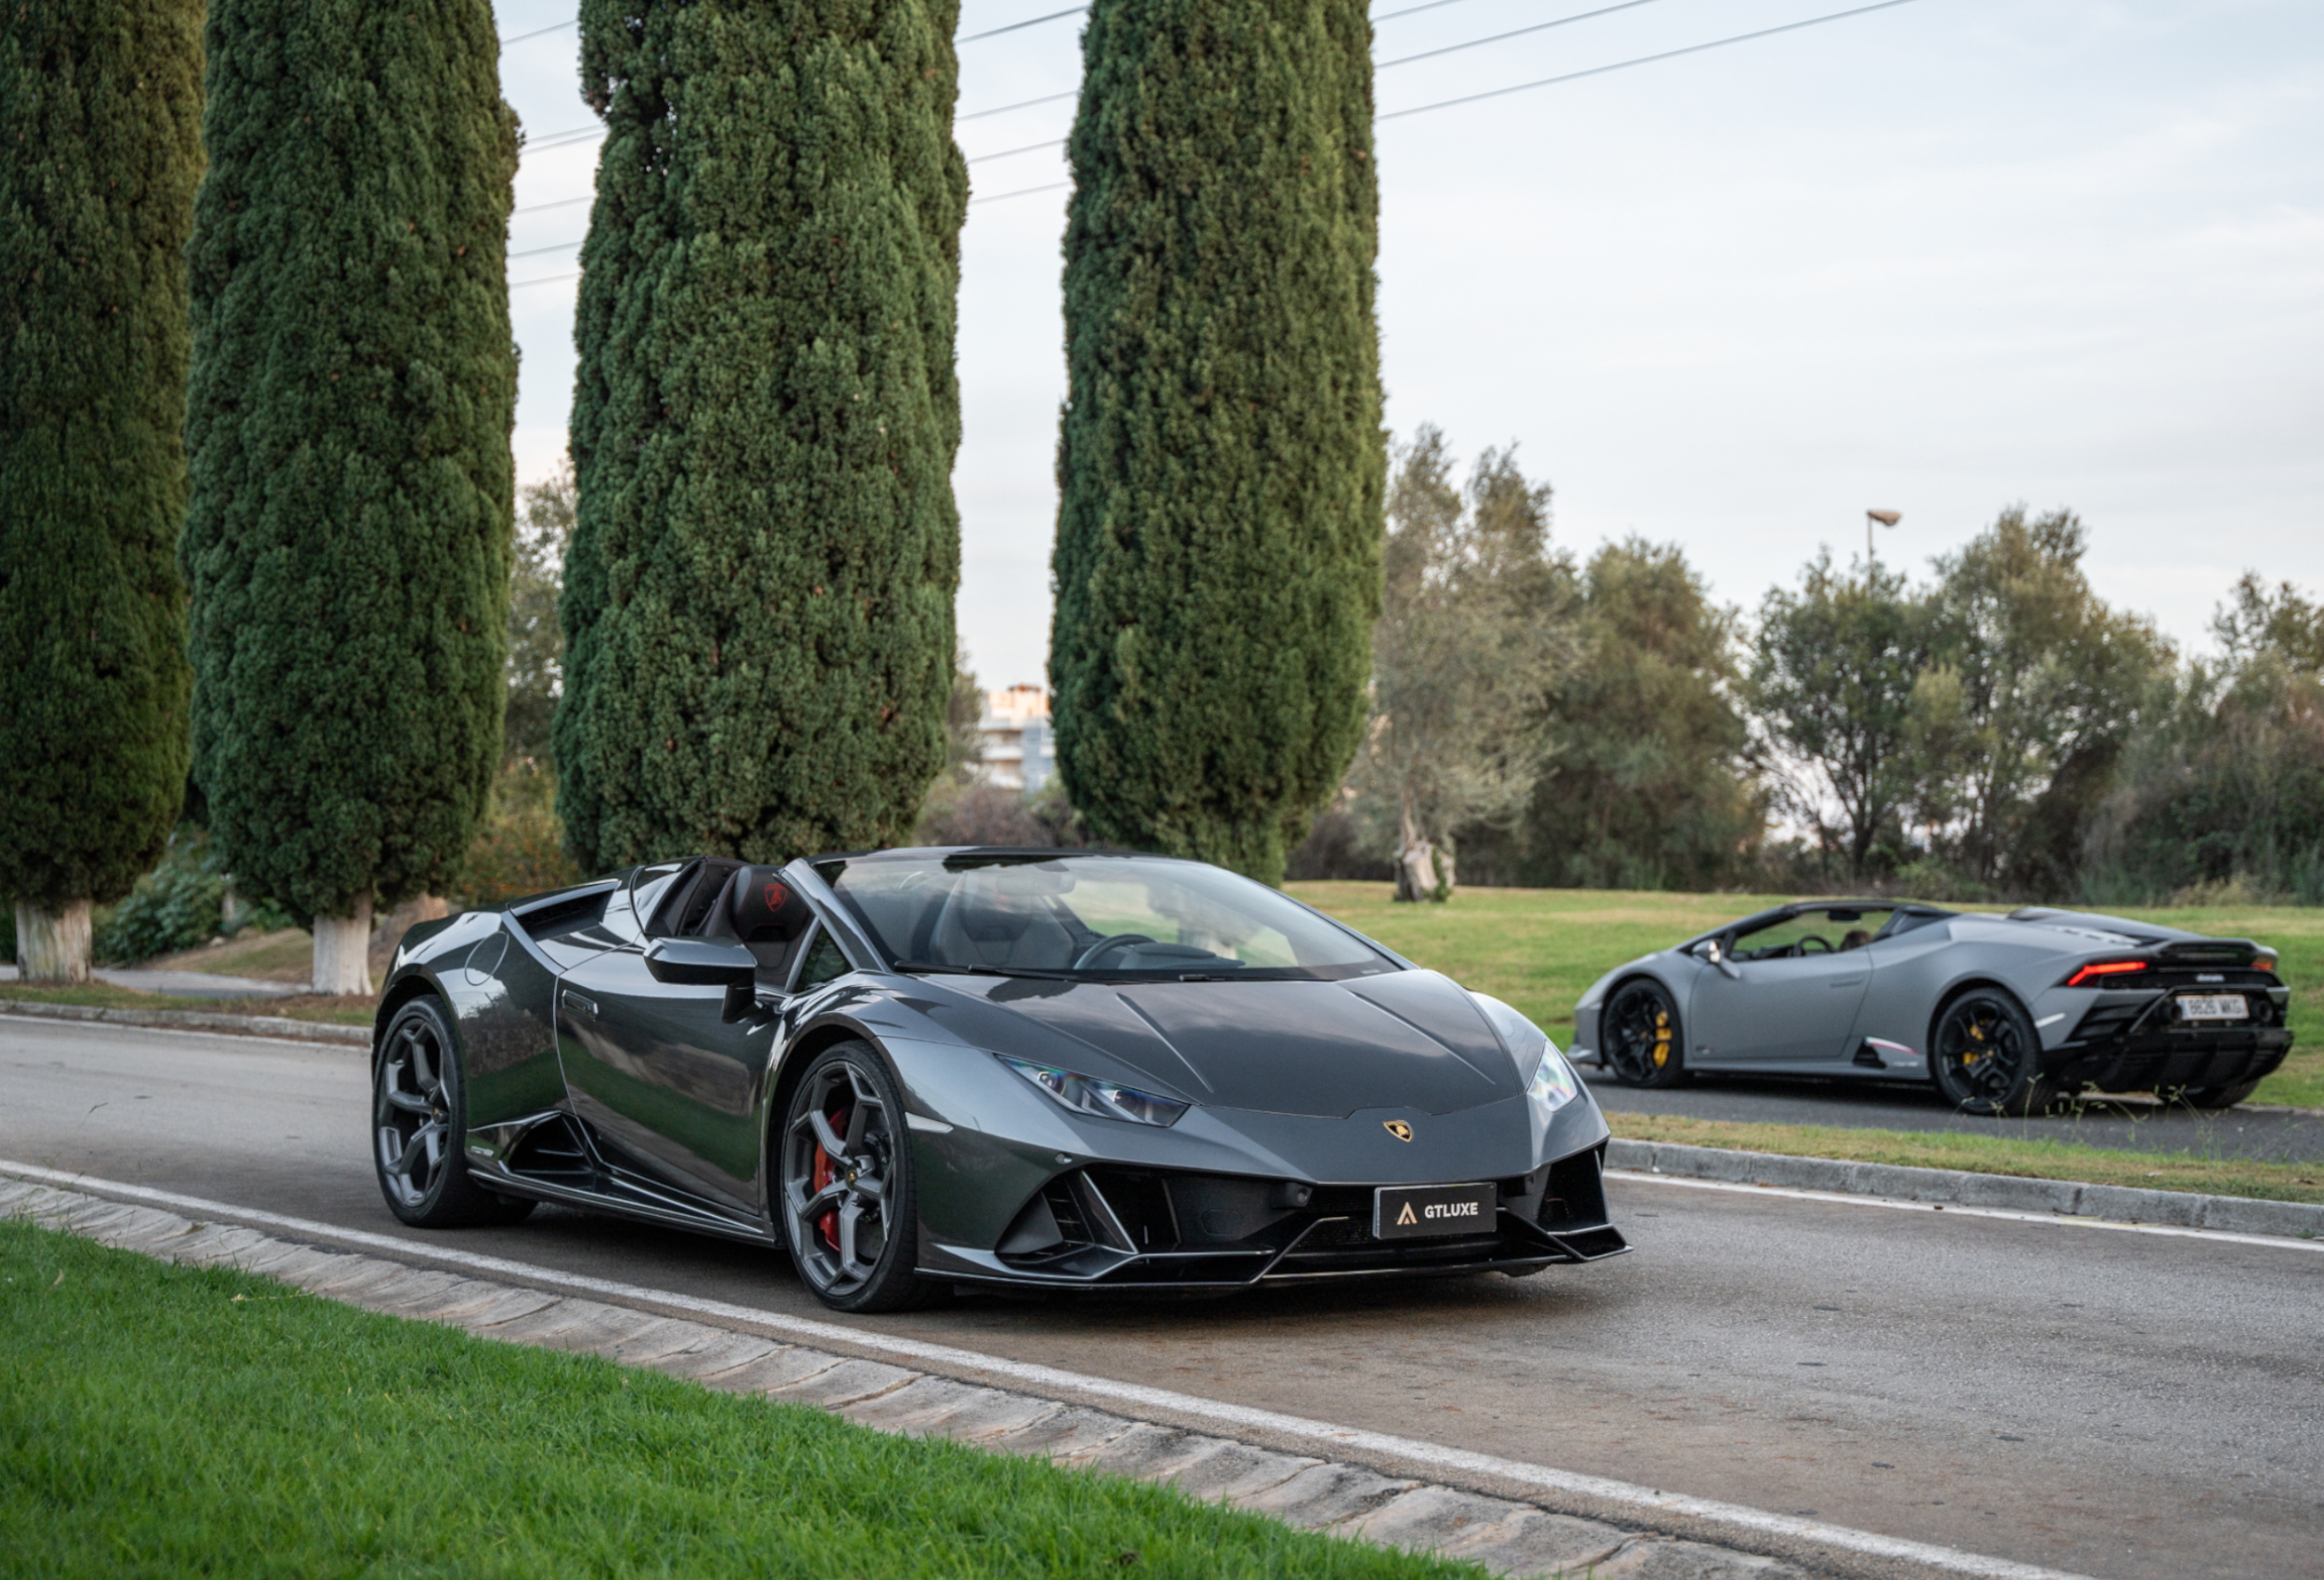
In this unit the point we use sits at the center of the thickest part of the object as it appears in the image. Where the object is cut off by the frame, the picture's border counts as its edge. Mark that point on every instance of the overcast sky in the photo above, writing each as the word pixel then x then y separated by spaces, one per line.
pixel 1938 258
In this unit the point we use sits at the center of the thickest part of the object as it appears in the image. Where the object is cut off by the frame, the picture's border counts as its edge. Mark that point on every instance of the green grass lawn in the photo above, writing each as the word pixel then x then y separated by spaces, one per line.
pixel 1539 948
pixel 165 1421
pixel 2028 1157
pixel 286 955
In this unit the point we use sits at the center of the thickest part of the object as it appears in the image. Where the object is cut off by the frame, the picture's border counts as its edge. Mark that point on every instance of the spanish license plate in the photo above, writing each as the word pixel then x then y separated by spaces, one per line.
pixel 1430 1212
pixel 2214 1007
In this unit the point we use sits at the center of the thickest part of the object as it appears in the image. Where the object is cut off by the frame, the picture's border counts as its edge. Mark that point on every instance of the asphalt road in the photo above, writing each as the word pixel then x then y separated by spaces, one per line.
pixel 2115 1404
pixel 2135 1124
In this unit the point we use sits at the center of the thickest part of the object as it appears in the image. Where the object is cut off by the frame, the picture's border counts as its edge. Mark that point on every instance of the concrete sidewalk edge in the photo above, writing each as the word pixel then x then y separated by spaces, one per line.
pixel 2119 1204
pixel 193 1020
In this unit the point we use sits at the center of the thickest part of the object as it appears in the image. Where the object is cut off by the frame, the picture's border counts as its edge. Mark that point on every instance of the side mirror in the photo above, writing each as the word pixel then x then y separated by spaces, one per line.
pixel 700 962
pixel 1715 951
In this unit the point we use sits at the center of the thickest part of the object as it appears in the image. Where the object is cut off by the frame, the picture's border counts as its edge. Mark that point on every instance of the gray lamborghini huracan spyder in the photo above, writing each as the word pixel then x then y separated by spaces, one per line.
pixel 921 1069
pixel 2005 1014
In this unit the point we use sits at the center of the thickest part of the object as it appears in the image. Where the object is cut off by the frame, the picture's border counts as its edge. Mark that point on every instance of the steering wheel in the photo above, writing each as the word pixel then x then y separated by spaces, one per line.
pixel 1106 946
pixel 1818 939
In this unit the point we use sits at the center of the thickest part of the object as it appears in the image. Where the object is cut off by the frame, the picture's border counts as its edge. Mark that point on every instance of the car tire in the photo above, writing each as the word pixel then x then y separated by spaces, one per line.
pixel 1639 1035
pixel 825 1194
pixel 2216 1096
pixel 1984 1056
pixel 419 1128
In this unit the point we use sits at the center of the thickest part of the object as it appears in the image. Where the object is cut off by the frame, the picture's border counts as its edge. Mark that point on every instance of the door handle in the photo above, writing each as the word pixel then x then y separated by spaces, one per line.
pixel 1849 982
pixel 579 1005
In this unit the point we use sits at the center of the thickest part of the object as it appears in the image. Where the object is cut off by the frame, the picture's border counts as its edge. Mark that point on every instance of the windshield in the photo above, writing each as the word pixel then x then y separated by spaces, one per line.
pixel 1091 916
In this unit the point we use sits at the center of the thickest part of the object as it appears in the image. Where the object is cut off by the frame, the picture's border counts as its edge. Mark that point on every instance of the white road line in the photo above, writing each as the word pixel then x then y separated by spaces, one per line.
pixel 1623 1494
pixel 2221 1236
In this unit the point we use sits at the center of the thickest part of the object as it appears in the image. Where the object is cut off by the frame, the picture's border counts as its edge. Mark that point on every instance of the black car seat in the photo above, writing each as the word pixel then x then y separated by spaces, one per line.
pixel 980 925
pixel 760 909
pixel 693 898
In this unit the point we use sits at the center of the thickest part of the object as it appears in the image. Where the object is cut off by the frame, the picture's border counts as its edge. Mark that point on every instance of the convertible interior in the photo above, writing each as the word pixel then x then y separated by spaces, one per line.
pixel 1024 918
pixel 1831 929
pixel 734 902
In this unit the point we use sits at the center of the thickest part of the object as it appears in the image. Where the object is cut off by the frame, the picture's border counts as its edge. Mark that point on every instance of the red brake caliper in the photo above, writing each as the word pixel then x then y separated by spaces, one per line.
pixel 825 1172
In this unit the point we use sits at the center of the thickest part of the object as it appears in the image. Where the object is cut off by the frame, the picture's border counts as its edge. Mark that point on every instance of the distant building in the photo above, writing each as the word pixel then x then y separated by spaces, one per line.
pixel 1019 752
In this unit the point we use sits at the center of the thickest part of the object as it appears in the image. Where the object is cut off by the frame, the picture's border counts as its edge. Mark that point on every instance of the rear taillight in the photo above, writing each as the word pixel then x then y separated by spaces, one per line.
pixel 2107 973
pixel 2264 960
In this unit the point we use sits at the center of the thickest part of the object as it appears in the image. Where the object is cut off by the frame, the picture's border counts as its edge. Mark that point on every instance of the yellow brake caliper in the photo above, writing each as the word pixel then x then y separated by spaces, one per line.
pixel 1662 1038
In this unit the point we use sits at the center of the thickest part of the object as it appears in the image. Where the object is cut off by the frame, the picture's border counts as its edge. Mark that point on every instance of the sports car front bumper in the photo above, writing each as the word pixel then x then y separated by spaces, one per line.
pixel 1127 1229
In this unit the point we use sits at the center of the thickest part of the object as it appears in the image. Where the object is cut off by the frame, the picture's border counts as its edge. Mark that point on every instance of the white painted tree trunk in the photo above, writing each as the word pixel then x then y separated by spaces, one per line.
pixel 53 946
pixel 343 952
pixel 1425 873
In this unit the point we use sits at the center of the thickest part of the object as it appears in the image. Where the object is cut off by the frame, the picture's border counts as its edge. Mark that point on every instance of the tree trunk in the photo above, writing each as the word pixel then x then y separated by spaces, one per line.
pixel 343 952
pixel 1423 872
pixel 53 946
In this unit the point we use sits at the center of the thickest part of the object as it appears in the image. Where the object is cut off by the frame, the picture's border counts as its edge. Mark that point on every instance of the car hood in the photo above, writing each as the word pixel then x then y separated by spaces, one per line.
pixel 1405 1040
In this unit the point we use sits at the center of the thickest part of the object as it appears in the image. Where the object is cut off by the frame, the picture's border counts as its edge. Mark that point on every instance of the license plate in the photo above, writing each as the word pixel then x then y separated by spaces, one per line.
pixel 1431 1212
pixel 2214 1007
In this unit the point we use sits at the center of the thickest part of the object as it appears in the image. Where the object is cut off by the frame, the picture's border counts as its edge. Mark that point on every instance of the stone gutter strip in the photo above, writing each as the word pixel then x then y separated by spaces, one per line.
pixel 1505 1537
pixel 2117 1203
pixel 194 1021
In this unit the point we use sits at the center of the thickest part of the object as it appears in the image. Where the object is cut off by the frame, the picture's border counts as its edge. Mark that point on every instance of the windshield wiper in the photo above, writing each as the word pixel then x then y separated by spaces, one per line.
pixel 932 969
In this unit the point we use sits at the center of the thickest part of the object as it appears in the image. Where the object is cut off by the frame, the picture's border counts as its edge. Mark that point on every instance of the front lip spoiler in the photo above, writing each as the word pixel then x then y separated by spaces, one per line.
pixel 1517 1245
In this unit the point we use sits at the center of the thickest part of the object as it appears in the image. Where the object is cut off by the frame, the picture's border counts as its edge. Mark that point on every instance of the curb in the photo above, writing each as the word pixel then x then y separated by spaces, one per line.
pixel 2118 1204
pixel 1304 1491
pixel 193 1020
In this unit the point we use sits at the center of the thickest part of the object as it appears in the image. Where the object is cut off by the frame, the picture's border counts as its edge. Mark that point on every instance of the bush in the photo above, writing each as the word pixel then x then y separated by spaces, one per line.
pixel 1334 849
pixel 969 813
pixel 520 849
pixel 180 904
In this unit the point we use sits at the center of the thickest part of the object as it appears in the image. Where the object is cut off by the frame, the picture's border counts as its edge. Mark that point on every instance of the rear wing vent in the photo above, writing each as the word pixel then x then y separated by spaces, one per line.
pixel 564 916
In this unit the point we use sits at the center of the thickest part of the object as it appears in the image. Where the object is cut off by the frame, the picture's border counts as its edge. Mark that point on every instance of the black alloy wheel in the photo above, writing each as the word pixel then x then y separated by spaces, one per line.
pixel 1986 1056
pixel 849 1213
pixel 419 1128
pixel 1639 1036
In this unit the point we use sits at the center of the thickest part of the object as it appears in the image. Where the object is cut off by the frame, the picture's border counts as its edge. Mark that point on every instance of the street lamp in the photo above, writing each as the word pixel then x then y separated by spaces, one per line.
pixel 1886 519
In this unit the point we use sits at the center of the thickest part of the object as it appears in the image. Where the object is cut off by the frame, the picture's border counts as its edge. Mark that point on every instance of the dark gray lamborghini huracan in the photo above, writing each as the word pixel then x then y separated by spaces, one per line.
pixel 921 1069
pixel 2002 1014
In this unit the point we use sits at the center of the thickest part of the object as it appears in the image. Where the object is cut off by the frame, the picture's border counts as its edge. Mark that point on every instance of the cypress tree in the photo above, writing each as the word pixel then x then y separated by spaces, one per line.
pixel 1222 461
pixel 100 106
pixel 348 539
pixel 758 604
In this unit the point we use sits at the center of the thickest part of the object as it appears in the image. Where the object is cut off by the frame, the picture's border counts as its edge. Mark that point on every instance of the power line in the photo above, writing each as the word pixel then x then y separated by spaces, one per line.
pixel 1021 191
pixel 543 279
pixel 1012 152
pixel 1514 32
pixel 1025 104
pixel 561 203
pixel 1641 60
pixel 543 33
pixel 563 139
pixel 1410 10
pixel 543 252
pixel 1391 115
pixel 1028 23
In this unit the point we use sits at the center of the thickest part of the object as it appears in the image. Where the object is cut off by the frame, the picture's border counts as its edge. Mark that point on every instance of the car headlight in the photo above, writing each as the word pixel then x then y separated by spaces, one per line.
pixel 1554 1084
pixel 1100 1099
